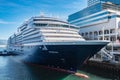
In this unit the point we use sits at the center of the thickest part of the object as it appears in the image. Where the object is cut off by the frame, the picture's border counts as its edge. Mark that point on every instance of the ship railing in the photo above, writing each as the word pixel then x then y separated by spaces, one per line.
pixel 106 53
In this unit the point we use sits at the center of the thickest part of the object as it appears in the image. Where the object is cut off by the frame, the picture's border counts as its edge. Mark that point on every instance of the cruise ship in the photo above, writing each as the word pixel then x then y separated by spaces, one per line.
pixel 48 41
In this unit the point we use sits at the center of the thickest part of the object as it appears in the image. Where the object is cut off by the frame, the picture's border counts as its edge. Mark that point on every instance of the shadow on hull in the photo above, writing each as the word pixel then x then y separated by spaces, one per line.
pixel 41 73
pixel 61 56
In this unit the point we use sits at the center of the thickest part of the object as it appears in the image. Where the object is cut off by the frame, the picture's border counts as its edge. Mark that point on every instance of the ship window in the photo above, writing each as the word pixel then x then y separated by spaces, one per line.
pixel 48 20
pixel 40 24
pixel 54 25
pixel 31 34
pixel 23 28
pixel 65 25
pixel 74 27
pixel 64 36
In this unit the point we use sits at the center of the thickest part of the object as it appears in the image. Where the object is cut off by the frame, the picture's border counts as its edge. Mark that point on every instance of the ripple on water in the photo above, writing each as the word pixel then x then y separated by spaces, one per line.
pixel 12 68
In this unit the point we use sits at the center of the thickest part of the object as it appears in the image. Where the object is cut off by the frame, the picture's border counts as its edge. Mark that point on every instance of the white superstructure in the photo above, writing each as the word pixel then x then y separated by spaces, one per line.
pixel 39 30
pixel 51 42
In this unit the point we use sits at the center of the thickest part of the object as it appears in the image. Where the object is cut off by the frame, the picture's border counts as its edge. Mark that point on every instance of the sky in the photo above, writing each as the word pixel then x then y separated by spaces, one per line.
pixel 14 12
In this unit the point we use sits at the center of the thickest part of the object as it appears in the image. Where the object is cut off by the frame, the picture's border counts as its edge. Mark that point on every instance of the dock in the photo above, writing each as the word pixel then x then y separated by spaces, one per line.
pixel 104 65
pixel 111 68
pixel 5 53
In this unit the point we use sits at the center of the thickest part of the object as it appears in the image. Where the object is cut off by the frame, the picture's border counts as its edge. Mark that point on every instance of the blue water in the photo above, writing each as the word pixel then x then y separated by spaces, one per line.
pixel 2 48
pixel 13 69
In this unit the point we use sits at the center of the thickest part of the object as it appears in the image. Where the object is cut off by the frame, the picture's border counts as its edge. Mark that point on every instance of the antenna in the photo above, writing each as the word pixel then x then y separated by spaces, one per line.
pixel 50 15
pixel 41 14
pixel 57 16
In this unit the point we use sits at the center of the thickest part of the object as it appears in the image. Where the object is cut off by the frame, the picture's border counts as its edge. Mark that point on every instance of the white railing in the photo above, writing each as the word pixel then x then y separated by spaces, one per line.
pixel 106 53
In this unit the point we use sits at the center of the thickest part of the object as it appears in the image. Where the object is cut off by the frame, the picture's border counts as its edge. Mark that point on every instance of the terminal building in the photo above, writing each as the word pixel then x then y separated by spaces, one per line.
pixel 100 20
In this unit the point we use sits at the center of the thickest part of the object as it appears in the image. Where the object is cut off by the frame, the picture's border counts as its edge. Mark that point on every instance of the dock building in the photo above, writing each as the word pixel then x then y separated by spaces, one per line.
pixel 100 20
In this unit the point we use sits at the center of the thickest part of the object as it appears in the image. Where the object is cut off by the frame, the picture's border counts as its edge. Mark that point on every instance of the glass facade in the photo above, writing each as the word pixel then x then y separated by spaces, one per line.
pixel 98 15
pixel 112 1
pixel 92 10
pixel 90 17
pixel 95 20
pixel 92 2
pixel 110 6
pixel 85 12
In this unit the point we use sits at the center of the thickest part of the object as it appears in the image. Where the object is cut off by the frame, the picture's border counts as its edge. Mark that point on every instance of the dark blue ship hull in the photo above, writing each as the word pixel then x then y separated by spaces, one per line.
pixel 67 57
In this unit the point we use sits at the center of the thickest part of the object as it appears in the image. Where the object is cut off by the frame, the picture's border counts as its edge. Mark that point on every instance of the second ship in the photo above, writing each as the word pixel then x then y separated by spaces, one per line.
pixel 51 42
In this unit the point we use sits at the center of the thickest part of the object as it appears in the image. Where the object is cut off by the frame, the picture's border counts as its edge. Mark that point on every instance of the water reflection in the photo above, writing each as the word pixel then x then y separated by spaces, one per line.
pixel 40 73
pixel 11 68
pixel 3 62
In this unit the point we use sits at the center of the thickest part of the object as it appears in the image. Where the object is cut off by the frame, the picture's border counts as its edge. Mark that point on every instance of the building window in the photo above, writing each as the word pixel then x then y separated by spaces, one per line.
pixel 112 31
pixel 100 32
pixel 86 34
pixel 119 24
pixel 106 31
pixel 82 34
pixel 95 33
pixel 90 33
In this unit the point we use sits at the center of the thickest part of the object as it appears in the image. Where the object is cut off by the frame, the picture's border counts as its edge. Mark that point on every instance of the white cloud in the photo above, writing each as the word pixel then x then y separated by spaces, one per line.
pixel 6 22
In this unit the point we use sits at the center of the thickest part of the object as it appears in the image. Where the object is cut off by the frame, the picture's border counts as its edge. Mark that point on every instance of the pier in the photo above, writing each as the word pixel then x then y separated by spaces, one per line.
pixel 104 65
pixel 5 53
pixel 2 46
pixel 111 68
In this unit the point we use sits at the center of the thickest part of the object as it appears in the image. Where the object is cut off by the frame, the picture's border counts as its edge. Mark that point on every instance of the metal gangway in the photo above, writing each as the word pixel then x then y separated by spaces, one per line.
pixel 106 55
